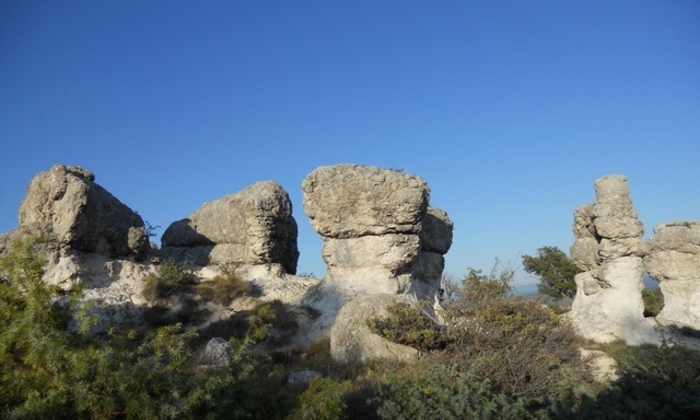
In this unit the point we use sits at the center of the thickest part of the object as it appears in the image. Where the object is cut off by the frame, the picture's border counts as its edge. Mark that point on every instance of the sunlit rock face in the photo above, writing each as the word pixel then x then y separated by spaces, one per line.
pixel 609 248
pixel 380 238
pixel 65 206
pixel 674 260
pixel 252 227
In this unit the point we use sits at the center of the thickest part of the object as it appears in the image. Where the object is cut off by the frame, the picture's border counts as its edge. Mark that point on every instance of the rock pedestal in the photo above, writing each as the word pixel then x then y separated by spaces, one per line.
pixel 380 238
pixel 608 303
pixel 674 260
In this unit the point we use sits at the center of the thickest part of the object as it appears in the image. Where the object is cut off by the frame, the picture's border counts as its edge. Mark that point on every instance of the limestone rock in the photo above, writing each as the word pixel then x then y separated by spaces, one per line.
pixel 611 309
pixel 216 354
pixel 674 260
pixel 603 367
pixel 436 233
pixel 584 253
pixel 65 204
pixel 608 303
pixel 350 201
pixel 371 264
pixel 351 339
pixel 253 226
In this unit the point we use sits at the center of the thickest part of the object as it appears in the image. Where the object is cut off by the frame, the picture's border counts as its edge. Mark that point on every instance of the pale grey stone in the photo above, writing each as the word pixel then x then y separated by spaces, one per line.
pixel 351 339
pixel 349 201
pixel 253 226
pixel 674 260
pixel 65 205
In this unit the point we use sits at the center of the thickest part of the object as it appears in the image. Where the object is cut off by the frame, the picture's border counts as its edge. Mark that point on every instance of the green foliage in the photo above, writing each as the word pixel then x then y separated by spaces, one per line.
pixel 444 392
pixel 48 371
pixel 322 400
pixel 409 326
pixel 225 287
pixel 654 383
pixel 493 356
pixel 169 279
pixel 555 270
pixel 519 345
pixel 653 302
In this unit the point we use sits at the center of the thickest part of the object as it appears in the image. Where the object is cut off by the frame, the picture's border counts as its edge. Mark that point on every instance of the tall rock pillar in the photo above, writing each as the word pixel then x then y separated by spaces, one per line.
pixel 609 248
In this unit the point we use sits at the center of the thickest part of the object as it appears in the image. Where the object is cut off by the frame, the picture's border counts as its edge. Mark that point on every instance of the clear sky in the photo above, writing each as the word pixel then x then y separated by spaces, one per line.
pixel 510 110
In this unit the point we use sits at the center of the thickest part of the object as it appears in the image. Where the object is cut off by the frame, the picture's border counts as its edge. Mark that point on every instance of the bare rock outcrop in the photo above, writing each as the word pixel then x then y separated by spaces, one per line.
pixel 380 238
pixel 608 303
pixel 371 221
pixel 674 260
pixel 351 339
pixel 252 227
pixel 64 205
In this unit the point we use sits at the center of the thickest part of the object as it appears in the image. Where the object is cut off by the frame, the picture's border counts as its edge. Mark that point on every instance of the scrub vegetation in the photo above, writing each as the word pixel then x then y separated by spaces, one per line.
pixel 492 356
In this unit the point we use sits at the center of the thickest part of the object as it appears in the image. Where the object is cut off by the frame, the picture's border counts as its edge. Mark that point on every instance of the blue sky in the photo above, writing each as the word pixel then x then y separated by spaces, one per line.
pixel 509 109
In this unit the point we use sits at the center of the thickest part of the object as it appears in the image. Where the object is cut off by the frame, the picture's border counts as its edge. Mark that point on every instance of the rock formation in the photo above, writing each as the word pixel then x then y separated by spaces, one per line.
pixel 608 303
pixel 376 226
pixel 252 227
pixel 380 238
pixel 674 260
pixel 66 206
pixel 351 339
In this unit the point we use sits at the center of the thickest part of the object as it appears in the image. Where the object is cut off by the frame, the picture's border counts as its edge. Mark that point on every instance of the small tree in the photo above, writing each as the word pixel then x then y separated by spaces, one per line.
pixel 555 270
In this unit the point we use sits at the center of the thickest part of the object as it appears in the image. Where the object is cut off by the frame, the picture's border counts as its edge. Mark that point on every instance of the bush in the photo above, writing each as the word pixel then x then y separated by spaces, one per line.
pixel 48 371
pixel 410 327
pixel 169 279
pixel 654 383
pixel 322 400
pixel 653 302
pixel 520 346
pixel 443 392
pixel 225 287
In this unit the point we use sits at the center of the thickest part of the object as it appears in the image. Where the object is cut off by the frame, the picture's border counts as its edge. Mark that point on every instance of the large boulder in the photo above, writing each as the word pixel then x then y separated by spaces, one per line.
pixel 351 338
pixel 252 227
pixel 609 248
pixel 65 205
pixel 674 260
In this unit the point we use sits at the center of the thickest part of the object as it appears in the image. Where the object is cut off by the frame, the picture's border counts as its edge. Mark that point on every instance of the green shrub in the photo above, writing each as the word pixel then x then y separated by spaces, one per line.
pixel 443 392
pixel 169 279
pixel 654 383
pixel 520 346
pixel 408 326
pixel 225 287
pixel 48 371
pixel 653 302
pixel 322 400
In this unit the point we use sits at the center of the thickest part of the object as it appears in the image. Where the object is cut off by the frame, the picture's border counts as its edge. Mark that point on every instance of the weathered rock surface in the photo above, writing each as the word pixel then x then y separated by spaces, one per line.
pixel 350 201
pixel 253 227
pixel 608 246
pixel 216 354
pixel 674 260
pixel 380 235
pixel 351 339
pixel 381 240
pixel 64 204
